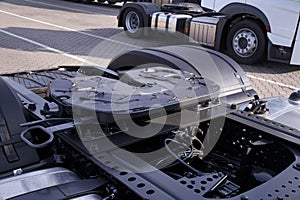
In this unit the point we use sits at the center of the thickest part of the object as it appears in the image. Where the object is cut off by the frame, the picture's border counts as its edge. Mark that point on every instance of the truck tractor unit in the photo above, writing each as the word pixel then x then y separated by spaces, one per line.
pixel 151 125
pixel 248 31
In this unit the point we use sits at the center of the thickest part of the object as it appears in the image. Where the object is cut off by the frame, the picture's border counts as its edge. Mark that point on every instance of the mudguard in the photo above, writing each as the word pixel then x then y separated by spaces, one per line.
pixel 134 94
pixel 204 62
pixel 146 9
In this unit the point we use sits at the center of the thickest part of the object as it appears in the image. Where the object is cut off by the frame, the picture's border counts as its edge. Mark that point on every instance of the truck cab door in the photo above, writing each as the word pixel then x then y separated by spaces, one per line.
pixel 210 4
pixel 217 5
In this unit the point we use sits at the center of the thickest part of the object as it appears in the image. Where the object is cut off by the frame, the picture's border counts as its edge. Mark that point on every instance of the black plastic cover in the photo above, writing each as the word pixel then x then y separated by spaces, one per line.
pixel 203 62
pixel 136 93
pixel 14 152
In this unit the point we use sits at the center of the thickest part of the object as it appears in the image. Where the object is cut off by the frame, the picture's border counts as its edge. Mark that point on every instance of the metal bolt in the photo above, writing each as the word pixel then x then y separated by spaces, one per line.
pixel 17 171
pixel 297 166
pixel 233 106
pixel 32 106
pixel 46 107
pixel 244 197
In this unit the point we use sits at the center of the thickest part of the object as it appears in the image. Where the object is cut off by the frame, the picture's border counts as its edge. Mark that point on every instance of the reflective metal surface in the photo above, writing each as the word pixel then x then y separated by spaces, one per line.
pixel 281 110
pixel 88 197
pixel 284 111
pixel 168 22
pixel 203 30
pixel 245 42
pixel 33 181
pixel 132 22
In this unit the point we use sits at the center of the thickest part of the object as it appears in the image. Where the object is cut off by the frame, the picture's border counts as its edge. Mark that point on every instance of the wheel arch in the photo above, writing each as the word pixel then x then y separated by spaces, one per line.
pixel 237 9
pixel 146 9
pixel 186 58
pixel 236 12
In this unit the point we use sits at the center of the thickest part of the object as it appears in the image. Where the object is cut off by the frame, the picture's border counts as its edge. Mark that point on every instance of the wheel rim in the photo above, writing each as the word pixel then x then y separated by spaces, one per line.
pixel 132 22
pixel 245 43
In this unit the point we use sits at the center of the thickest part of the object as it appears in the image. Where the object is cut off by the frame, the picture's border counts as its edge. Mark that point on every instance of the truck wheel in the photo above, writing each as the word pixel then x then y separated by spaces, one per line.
pixel 133 23
pixel 111 2
pixel 246 42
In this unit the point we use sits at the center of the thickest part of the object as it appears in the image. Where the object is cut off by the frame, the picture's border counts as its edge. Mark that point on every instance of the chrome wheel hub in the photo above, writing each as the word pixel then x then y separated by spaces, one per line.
pixel 132 22
pixel 245 42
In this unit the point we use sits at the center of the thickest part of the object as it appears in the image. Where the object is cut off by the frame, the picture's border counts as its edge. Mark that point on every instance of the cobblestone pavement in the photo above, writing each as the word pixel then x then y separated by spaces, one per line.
pixel 274 79
pixel 39 34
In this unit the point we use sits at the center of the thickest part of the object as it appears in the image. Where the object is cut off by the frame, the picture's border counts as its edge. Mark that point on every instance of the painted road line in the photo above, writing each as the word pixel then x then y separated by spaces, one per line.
pixel 69 29
pixel 273 82
pixel 134 46
pixel 68 8
pixel 49 48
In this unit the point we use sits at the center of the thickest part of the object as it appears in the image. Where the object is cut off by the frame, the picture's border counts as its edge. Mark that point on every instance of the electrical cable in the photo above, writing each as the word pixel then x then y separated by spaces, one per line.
pixel 199 173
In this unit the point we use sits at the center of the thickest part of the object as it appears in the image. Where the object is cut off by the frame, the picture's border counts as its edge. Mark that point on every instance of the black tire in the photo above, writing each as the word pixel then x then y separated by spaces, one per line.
pixel 246 41
pixel 133 23
pixel 111 2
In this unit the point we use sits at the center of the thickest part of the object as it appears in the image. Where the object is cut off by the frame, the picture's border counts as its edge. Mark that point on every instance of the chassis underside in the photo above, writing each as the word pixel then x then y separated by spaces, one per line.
pixel 69 151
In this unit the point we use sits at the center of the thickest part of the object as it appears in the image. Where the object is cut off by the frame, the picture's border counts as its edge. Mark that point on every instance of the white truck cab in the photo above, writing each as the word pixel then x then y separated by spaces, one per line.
pixel 247 30
pixel 277 20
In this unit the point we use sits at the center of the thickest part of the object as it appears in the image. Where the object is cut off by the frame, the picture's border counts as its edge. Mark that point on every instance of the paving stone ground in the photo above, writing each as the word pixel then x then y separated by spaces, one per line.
pixel 40 34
